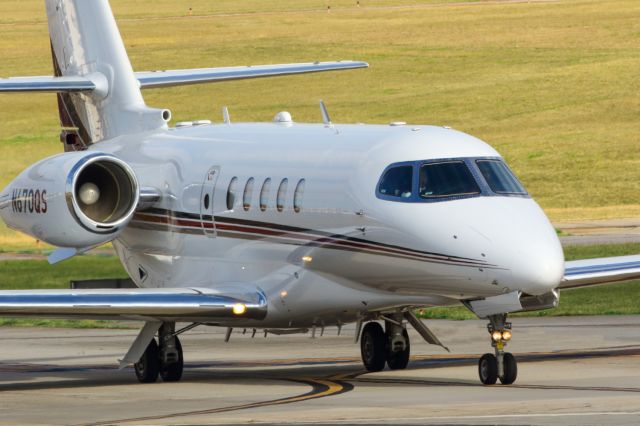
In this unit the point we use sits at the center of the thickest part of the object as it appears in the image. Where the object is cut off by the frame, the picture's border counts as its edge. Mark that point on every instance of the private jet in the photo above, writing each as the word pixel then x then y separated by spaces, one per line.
pixel 277 227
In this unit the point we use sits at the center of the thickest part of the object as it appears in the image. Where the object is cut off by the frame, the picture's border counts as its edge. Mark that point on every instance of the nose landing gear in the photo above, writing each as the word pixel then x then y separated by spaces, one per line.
pixel 503 364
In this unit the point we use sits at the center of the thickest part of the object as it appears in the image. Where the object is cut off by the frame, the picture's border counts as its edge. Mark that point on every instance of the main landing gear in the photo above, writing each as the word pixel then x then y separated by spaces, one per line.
pixel 502 365
pixel 164 359
pixel 390 346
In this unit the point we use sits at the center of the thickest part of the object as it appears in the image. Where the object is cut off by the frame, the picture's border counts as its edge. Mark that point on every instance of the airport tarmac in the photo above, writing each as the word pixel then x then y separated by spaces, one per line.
pixel 572 370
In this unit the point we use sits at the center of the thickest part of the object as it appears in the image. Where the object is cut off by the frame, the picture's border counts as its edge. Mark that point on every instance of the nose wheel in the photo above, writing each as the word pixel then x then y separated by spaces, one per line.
pixel 503 364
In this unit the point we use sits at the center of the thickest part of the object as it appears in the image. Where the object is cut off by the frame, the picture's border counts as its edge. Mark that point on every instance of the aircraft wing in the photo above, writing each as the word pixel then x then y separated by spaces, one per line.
pixel 157 304
pixel 153 79
pixel 583 273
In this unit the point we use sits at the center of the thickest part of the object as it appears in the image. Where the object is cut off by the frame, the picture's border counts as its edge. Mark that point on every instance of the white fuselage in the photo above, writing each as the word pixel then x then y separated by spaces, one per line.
pixel 346 250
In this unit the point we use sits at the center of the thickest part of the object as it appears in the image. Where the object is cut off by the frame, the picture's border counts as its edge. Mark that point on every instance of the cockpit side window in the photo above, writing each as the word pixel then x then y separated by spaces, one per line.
pixel 446 179
pixel 499 178
pixel 397 182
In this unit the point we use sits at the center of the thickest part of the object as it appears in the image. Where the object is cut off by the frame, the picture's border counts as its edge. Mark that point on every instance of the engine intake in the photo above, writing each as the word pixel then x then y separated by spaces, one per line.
pixel 102 192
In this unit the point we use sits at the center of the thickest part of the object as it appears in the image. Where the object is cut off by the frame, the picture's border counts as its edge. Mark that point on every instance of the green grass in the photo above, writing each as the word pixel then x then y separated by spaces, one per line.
pixel 611 299
pixel 552 85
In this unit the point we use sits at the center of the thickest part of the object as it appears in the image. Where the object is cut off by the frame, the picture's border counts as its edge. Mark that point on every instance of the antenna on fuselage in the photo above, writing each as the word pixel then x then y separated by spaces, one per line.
pixel 325 115
pixel 225 115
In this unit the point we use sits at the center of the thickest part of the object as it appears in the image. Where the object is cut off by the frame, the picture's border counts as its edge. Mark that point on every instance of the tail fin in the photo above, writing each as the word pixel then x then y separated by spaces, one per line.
pixel 85 42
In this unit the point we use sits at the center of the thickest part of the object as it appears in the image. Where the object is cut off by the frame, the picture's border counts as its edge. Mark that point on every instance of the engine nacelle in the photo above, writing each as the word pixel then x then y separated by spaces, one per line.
pixel 77 199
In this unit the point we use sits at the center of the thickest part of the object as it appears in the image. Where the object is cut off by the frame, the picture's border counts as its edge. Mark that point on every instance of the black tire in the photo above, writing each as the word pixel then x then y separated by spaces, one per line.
pixel 399 360
pixel 510 369
pixel 173 372
pixel 373 347
pixel 148 366
pixel 488 369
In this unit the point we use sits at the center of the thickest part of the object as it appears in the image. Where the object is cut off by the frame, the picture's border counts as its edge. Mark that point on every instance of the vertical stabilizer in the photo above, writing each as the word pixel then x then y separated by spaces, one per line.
pixel 85 42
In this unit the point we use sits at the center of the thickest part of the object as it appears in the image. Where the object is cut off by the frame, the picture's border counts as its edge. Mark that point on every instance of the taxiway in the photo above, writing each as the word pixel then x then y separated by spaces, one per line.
pixel 577 370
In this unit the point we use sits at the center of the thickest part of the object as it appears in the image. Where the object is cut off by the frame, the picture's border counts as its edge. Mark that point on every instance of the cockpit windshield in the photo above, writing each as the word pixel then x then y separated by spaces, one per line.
pixel 446 180
pixel 397 182
pixel 499 177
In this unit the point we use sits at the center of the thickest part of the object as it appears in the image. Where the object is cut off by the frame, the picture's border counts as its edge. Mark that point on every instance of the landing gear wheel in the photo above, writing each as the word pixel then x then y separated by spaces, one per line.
pixel 373 347
pixel 148 367
pixel 488 369
pixel 173 372
pixel 399 360
pixel 510 369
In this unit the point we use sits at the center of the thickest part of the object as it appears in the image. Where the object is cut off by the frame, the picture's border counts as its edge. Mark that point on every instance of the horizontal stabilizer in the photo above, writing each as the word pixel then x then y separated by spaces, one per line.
pixel 46 84
pixel 157 304
pixel 149 80
pixel 583 273
pixel 155 79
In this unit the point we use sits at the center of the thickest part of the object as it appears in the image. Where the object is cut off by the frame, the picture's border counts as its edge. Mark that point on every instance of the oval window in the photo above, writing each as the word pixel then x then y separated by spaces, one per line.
pixel 248 192
pixel 264 194
pixel 231 193
pixel 282 194
pixel 206 202
pixel 298 195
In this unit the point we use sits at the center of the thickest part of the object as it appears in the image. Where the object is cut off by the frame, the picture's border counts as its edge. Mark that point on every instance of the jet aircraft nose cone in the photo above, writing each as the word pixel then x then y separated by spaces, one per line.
pixel 538 269
pixel 536 255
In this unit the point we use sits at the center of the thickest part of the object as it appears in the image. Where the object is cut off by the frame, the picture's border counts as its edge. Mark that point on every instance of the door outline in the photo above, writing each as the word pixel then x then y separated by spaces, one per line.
pixel 207 202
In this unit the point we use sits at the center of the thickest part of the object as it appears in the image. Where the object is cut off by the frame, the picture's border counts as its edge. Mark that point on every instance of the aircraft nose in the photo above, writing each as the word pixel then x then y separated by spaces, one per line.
pixel 538 268
pixel 535 255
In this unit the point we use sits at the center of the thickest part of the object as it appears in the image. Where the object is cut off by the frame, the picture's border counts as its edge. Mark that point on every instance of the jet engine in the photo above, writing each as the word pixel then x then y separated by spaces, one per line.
pixel 76 199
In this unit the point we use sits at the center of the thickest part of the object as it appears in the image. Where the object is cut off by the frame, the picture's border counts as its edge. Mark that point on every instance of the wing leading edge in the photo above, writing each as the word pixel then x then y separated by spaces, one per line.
pixel 583 273
pixel 185 304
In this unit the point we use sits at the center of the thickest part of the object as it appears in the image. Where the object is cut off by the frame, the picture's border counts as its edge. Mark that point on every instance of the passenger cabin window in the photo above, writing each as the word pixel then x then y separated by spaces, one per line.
pixel 298 196
pixel 499 178
pixel 264 194
pixel 396 182
pixel 282 195
pixel 231 194
pixel 246 196
pixel 446 179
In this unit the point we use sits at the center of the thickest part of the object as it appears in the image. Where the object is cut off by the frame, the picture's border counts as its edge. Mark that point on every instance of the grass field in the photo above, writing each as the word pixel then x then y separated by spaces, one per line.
pixel 618 299
pixel 552 85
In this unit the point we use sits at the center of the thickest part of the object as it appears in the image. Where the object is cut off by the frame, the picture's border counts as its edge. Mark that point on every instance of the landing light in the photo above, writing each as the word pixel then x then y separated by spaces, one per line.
pixel 496 336
pixel 506 335
pixel 307 258
pixel 239 309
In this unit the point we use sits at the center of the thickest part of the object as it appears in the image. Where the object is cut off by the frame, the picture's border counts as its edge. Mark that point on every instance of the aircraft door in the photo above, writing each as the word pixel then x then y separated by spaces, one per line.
pixel 207 204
